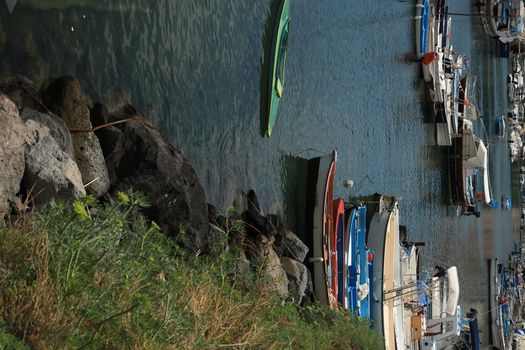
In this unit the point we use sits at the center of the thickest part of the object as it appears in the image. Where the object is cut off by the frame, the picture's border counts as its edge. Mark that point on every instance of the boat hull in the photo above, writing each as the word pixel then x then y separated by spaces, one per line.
pixel 383 239
pixel 319 204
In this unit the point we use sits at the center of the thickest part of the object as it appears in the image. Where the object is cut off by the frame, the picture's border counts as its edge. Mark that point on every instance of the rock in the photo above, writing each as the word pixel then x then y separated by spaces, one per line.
pixel 50 172
pixel 113 147
pixel 293 246
pixel 240 202
pixel 276 273
pixel 253 203
pixel 151 165
pixel 297 275
pixel 65 97
pixel 57 127
pixel 12 135
pixel 22 92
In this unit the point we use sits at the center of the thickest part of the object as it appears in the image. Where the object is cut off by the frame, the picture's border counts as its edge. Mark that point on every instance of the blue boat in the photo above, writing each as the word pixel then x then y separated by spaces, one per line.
pixel 358 264
pixel 501 126
pixel 422 22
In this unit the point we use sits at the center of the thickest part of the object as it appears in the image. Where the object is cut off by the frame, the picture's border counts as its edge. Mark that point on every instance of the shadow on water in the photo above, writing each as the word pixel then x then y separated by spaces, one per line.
pixel 295 189
pixel 265 64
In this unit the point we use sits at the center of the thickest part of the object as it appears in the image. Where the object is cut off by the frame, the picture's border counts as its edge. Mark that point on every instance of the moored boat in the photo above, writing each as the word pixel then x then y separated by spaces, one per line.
pixel 358 264
pixel 277 62
pixel 422 26
pixel 319 226
pixel 467 155
pixel 383 239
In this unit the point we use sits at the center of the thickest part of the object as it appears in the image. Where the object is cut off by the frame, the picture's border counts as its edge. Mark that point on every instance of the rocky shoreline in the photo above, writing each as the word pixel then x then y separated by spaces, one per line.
pixel 57 143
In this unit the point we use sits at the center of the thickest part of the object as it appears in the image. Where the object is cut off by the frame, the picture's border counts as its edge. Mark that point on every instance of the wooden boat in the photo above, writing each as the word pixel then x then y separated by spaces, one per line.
pixel 336 254
pixel 277 62
pixel 319 225
pixel 422 23
pixel 383 239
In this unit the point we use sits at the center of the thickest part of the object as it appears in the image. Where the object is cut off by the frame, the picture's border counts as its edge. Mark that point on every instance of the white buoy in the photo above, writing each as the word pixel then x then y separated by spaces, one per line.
pixel 348 183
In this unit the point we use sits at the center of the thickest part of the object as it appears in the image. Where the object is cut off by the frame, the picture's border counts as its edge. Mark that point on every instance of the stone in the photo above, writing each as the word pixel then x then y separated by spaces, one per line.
pixel 253 203
pixel 150 165
pixel 240 202
pixel 50 172
pixel 297 275
pixel 57 127
pixel 293 246
pixel 276 273
pixel 12 136
pixel 23 92
pixel 113 148
pixel 65 97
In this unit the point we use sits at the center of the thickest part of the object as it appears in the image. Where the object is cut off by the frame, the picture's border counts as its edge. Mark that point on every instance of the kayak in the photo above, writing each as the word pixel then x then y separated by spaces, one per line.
pixel 277 62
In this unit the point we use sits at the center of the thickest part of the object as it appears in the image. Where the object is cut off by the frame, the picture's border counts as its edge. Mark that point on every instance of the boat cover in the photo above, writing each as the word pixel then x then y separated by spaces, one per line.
pixel 453 291
pixel 475 155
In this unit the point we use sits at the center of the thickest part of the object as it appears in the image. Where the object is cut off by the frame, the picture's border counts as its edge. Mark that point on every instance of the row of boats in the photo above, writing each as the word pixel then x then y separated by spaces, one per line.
pixel 506 302
pixel 361 261
pixel 451 91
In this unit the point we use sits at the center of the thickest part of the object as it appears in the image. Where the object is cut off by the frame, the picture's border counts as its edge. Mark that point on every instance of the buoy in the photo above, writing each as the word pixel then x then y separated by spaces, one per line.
pixel 348 183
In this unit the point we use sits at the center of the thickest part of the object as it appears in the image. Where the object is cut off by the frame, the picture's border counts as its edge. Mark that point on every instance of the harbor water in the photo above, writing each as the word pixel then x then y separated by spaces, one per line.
pixel 351 84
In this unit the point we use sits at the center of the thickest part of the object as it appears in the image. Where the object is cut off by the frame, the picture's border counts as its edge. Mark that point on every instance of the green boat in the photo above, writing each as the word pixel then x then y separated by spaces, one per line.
pixel 277 61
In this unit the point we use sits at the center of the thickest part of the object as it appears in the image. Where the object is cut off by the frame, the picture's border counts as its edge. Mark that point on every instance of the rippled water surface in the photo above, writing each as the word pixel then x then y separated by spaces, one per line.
pixel 195 66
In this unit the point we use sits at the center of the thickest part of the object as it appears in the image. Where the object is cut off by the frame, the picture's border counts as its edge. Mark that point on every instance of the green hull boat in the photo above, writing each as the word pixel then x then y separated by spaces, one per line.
pixel 277 60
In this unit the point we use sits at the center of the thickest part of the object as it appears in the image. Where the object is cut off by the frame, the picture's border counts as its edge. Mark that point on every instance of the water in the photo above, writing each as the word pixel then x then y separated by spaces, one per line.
pixel 195 66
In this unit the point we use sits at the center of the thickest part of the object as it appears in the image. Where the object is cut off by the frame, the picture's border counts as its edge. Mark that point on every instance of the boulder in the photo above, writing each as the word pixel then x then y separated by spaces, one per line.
pixel 22 92
pixel 57 127
pixel 297 275
pixel 276 273
pixel 293 247
pixel 149 164
pixel 65 97
pixel 12 135
pixel 50 172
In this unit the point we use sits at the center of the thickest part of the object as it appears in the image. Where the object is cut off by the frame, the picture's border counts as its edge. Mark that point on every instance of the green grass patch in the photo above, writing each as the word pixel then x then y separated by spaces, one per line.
pixel 95 275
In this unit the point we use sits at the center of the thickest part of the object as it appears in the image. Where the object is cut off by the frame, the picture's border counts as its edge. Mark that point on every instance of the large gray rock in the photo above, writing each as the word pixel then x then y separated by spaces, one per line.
pixel 50 172
pixel 297 275
pixel 146 163
pixel 65 97
pixel 293 246
pixel 12 135
pixel 57 127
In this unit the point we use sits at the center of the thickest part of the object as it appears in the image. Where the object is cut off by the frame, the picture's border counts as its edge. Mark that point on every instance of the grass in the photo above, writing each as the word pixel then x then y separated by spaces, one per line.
pixel 92 275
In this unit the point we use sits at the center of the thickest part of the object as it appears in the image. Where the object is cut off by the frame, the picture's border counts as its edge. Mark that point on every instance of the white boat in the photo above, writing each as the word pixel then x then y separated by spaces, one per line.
pixel 383 239
pixel 468 154
pixel 413 322
pixel 443 323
